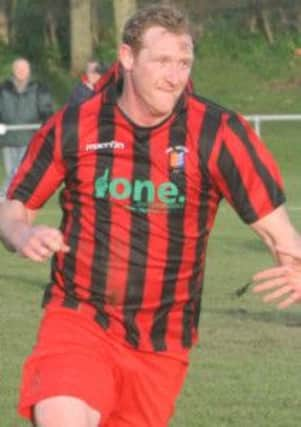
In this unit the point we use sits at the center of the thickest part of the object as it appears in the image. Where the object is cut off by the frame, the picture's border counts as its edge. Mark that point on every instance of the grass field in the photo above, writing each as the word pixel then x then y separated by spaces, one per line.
pixel 245 371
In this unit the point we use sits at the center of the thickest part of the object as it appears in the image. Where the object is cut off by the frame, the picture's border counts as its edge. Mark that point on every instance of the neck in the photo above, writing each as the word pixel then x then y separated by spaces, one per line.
pixel 20 85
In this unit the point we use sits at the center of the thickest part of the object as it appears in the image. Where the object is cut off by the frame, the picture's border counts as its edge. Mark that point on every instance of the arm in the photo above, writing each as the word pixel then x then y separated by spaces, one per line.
pixel 246 174
pixel 40 173
pixel 45 103
pixel 18 233
pixel 275 229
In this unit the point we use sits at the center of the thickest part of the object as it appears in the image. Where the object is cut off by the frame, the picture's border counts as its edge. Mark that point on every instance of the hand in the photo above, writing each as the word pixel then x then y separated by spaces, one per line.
pixel 39 242
pixel 281 282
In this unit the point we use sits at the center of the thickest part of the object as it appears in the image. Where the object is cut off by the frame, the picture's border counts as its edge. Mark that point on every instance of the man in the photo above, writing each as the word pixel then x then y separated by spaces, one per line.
pixel 22 101
pixel 144 164
pixel 87 87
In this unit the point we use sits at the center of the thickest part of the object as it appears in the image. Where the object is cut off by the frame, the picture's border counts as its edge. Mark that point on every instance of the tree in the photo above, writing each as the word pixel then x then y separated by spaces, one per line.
pixel 81 44
pixel 51 17
pixel 4 22
pixel 123 9
pixel 7 13
pixel 259 18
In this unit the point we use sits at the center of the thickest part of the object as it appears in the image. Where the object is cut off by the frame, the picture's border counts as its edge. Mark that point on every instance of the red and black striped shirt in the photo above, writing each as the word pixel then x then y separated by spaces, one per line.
pixel 138 206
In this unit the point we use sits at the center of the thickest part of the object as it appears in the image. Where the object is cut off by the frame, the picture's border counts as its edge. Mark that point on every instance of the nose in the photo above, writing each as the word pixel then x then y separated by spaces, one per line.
pixel 172 75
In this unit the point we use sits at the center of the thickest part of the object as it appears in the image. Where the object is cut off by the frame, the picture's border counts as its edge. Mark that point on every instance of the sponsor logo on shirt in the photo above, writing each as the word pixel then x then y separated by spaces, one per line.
pixel 110 145
pixel 140 195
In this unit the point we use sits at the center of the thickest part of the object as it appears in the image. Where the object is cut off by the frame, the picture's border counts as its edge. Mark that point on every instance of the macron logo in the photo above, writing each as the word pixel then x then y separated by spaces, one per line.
pixel 113 145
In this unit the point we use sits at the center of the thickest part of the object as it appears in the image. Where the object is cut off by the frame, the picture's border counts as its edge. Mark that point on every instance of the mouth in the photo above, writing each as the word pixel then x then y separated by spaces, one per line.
pixel 169 90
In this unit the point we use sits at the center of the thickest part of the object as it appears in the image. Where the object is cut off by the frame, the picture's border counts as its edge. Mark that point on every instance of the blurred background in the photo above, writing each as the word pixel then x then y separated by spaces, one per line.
pixel 243 47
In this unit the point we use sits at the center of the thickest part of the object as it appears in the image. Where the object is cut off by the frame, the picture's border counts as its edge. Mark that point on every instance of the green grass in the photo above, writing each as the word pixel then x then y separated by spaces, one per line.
pixel 234 84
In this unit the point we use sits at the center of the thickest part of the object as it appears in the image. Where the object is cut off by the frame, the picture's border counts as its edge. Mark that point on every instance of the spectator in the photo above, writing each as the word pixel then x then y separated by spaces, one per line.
pixel 22 101
pixel 86 88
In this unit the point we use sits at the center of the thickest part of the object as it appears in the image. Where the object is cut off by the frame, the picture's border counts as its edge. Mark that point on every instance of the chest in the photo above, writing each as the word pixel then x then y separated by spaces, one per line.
pixel 19 107
pixel 158 166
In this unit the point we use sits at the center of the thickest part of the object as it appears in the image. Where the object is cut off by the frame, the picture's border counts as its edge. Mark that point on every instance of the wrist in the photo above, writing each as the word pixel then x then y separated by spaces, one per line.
pixel 15 235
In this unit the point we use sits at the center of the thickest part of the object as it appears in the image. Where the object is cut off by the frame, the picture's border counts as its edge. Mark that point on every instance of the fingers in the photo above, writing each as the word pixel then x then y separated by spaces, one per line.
pixel 271 273
pixel 270 284
pixel 52 240
pixel 39 243
pixel 292 299
pixel 284 290
pixel 282 283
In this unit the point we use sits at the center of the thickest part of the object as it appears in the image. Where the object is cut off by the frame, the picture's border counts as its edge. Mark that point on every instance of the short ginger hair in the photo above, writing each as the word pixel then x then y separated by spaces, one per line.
pixel 166 16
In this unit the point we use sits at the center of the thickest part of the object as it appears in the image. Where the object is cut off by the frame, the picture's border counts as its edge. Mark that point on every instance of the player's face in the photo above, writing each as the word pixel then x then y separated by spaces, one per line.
pixel 160 71
pixel 93 77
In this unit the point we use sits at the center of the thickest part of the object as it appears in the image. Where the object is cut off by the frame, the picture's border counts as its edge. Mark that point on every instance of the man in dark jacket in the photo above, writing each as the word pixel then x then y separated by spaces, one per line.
pixel 86 88
pixel 22 102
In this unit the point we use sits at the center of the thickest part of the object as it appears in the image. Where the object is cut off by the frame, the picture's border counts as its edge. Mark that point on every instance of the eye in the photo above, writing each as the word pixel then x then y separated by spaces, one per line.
pixel 185 63
pixel 163 60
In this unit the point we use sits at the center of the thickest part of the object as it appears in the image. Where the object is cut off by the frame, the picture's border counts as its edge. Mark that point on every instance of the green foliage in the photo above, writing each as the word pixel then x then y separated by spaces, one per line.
pixel 60 82
pixel 240 69
pixel 106 51
pixel 30 33
pixel 233 66
pixel 29 24
pixel 7 56
pixel 230 37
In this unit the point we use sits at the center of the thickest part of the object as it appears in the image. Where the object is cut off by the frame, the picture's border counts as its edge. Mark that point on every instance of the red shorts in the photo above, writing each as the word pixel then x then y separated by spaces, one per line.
pixel 75 357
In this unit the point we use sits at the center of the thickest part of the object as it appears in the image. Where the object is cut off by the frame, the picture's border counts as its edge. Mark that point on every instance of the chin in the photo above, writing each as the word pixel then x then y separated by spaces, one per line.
pixel 165 109
pixel 162 113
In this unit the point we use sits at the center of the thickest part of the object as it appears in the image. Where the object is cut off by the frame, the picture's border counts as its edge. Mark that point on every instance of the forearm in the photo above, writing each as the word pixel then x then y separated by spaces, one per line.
pixel 36 242
pixel 15 222
pixel 276 230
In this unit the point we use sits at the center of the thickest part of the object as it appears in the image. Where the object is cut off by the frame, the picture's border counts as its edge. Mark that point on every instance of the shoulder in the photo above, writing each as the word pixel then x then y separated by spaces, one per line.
pixel 83 108
pixel 7 86
pixel 201 104
pixel 213 114
pixel 80 93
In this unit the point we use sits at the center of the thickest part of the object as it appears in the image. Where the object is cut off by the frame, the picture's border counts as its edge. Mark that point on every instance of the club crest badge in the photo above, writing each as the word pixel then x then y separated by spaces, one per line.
pixel 177 156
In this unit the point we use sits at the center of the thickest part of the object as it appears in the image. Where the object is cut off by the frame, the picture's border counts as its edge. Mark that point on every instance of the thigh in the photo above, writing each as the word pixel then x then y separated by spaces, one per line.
pixel 152 384
pixel 62 411
pixel 68 360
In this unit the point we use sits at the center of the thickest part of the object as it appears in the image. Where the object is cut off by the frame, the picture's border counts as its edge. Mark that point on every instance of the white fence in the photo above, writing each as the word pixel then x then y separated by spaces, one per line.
pixel 256 119
pixel 6 128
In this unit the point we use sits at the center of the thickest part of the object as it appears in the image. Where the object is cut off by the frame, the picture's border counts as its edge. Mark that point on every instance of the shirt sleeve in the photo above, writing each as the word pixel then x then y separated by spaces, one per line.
pixel 244 171
pixel 42 169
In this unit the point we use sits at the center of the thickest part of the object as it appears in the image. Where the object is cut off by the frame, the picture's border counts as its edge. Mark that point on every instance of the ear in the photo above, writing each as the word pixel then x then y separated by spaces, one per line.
pixel 126 56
